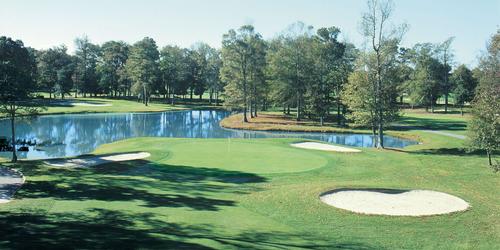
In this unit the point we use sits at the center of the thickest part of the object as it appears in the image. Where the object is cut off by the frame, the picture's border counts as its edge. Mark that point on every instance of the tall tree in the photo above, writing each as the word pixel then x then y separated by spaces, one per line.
pixel 239 51
pixel 56 69
pixel 17 83
pixel 142 68
pixel 357 94
pixel 383 42
pixel 291 63
pixel 87 55
pixel 484 127
pixel 424 86
pixel 446 57
pixel 465 85
pixel 330 73
pixel 114 55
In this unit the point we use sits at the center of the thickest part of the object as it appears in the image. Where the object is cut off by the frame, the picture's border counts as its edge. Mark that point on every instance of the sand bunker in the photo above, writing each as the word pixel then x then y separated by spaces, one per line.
pixel 10 181
pixel 90 104
pixel 89 161
pixel 394 202
pixel 325 147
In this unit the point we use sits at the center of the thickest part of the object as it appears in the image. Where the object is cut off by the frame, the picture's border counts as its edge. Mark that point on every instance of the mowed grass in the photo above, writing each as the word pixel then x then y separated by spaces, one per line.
pixel 249 193
pixel 55 106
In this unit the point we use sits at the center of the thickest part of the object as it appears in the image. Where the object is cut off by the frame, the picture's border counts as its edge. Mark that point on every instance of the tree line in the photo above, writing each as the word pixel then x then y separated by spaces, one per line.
pixel 311 72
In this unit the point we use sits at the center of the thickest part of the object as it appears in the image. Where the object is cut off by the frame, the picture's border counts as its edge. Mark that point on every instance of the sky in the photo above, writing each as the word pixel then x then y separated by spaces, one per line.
pixel 46 23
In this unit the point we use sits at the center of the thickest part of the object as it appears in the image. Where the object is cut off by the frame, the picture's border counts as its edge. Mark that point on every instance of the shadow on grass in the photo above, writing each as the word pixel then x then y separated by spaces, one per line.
pixel 111 229
pixel 378 190
pixel 412 123
pixel 154 185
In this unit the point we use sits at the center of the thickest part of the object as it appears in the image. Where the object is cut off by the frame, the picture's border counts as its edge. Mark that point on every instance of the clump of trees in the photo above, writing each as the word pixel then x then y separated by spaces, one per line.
pixel 17 82
pixel 484 127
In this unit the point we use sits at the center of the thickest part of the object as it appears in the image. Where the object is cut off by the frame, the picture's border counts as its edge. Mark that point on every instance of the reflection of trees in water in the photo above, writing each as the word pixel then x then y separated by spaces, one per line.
pixel 69 135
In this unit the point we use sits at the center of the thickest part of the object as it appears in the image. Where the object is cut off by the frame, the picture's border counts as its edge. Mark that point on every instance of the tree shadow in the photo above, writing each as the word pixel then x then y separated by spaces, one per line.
pixel 155 185
pixel 111 229
pixel 449 152
pixel 412 123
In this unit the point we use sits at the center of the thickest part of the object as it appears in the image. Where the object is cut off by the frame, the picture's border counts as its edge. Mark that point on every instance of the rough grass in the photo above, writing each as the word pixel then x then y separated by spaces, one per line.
pixel 220 193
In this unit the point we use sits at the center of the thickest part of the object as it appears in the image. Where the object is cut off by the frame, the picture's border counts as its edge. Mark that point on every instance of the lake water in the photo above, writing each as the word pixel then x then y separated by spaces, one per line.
pixel 71 135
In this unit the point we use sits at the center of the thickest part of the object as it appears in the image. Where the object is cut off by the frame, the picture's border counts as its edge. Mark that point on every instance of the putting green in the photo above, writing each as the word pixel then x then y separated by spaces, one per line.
pixel 246 156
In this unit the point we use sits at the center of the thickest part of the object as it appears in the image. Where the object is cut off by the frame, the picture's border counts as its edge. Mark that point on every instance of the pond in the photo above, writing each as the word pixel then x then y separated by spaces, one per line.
pixel 71 135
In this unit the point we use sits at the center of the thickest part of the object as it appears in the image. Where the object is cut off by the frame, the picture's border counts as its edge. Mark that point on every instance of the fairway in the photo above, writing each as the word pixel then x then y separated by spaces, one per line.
pixel 265 194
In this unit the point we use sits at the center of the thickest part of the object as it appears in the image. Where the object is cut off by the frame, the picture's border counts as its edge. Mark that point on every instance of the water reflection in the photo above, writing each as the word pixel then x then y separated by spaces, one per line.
pixel 70 135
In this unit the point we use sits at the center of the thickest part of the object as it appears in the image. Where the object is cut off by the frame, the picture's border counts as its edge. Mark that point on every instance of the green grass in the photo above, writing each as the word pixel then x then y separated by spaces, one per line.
pixel 117 105
pixel 259 193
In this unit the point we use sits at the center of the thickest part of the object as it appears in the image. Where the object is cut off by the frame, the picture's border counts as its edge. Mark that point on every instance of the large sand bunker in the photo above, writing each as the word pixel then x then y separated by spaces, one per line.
pixel 324 147
pixel 394 202
pixel 89 161
pixel 10 181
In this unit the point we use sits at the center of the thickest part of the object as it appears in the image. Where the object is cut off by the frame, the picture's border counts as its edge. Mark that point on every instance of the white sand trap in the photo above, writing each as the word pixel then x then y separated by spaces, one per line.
pixel 91 104
pixel 394 202
pixel 89 161
pixel 10 181
pixel 324 147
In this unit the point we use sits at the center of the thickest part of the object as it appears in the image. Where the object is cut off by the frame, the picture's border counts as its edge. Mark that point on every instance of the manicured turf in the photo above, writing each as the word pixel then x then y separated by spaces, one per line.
pixel 114 105
pixel 259 193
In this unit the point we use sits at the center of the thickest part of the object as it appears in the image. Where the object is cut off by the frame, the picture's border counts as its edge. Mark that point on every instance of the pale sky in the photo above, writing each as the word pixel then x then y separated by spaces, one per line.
pixel 45 23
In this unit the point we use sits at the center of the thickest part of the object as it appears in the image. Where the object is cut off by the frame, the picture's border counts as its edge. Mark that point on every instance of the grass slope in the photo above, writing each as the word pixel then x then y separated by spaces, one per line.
pixel 259 193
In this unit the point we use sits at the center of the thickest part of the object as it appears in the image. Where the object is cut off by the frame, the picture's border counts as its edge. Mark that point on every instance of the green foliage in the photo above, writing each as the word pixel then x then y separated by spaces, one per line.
pixel 243 57
pixel 484 128
pixel 113 78
pixel 143 69
pixel 425 84
pixel 87 55
pixel 55 70
pixel 465 84
pixel 17 83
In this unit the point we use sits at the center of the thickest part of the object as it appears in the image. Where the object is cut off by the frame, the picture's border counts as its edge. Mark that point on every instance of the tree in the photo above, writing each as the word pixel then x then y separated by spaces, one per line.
pixel 240 49
pixel 56 68
pixel 17 83
pixel 357 94
pixel 446 58
pixel 291 63
pixel 87 55
pixel 330 72
pixel 142 68
pixel 384 44
pixel 484 127
pixel 424 86
pixel 465 84
pixel 113 56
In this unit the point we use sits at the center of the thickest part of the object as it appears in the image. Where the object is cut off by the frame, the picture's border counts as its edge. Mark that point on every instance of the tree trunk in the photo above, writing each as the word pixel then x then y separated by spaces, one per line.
pixel 380 143
pixel 144 96
pixel 255 108
pixel 321 121
pixel 446 102
pixel 338 113
pixel 13 129
pixel 489 157
pixel 298 106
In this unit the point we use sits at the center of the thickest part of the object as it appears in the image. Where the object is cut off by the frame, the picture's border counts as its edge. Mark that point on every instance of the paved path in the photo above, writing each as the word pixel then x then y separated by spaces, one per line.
pixel 462 137
pixel 10 182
